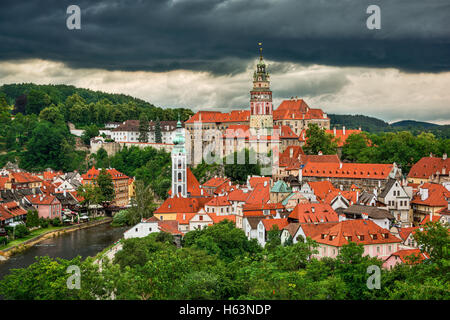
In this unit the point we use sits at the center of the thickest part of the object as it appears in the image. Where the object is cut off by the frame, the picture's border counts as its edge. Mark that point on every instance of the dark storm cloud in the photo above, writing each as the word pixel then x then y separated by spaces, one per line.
pixel 221 36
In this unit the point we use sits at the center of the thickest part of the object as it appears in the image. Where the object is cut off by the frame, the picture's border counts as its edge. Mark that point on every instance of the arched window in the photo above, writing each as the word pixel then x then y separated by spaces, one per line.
pixel 179 189
pixel 179 175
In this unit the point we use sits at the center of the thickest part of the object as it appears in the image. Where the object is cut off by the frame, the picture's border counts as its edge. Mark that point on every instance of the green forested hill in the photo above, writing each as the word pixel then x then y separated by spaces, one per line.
pixel 374 125
pixel 84 106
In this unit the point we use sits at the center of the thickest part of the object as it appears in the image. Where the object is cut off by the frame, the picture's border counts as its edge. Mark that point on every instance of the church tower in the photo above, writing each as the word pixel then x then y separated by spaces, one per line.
pixel 261 108
pixel 179 182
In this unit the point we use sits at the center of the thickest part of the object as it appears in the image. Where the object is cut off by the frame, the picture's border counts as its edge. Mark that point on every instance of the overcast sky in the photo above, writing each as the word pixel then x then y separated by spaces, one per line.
pixel 200 53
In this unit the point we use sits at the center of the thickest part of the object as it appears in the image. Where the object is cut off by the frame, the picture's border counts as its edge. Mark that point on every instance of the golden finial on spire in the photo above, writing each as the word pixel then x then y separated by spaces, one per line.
pixel 260 50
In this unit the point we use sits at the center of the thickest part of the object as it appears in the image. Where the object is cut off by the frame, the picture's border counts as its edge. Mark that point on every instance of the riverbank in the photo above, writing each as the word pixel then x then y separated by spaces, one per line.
pixel 6 253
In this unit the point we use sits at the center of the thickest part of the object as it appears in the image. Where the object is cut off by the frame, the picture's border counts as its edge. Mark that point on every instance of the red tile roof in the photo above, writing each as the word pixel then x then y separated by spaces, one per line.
pixel 182 205
pixel 218 218
pixel 93 173
pixel 435 218
pixel 270 223
pixel 428 166
pixel 185 217
pixel 3 180
pixel 218 202
pixel 257 180
pixel 313 229
pixel 314 212
pixel 405 232
pixel 24 177
pixel 296 109
pixel 238 195
pixel 169 226
pixel 348 170
pixel 404 253
pixel 341 137
pixel 216 117
pixel 5 214
pixel 215 182
pixel 260 194
pixel 437 194
pixel 14 208
pixel 41 199
pixel 322 188
pixel 352 230
pixel 50 175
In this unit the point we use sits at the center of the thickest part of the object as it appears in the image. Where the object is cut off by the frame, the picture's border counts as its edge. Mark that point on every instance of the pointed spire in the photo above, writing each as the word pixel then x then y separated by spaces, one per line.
pixel 179 122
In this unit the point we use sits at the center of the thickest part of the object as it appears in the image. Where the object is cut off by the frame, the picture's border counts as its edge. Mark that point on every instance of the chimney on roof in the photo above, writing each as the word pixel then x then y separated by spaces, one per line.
pixel 291 153
pixel 340 165
pixel 342 217
pixel 64 192
pixel 184 216
pixel 320 153
pixel 201 191
pixel 431 155
pixel 334 131
pixel 343 130
pixel 423 194
pixel 444 156
pixel 364 216
pixel 313 210
pixel 265 183
pixel 357 195
pixel 359 128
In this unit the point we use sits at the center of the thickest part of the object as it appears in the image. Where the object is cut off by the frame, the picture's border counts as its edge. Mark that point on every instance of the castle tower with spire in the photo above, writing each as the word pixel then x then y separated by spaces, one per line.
pixel 261 109
pixel 179 176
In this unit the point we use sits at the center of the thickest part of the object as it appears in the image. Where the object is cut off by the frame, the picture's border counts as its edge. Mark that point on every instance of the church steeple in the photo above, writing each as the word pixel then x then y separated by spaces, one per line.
pixel 179 176
pixel 261 108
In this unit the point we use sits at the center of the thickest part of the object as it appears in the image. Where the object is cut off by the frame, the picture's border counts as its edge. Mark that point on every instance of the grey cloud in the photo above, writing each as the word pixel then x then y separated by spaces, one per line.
pixel 220 36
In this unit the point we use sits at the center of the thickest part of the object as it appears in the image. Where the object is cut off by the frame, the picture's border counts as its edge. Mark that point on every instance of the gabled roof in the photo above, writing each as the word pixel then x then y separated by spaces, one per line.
pixel 182 205
pixel 355 229
pixel 321 188
pixel 238 195
pixel 260 194
pixel 24 177
pixel 215 182
pixel 371 211
pixel 270 223
pixel 41 199
pixel 405 232
pixel 428 166
pixel 404 253
pixel 435 218
pixel 340 136
pixel 218 202
pixel 253 221
pixel 280 187
pixel 311 230
pixel 391 182
pixel 313 212
pixel 437 194
pixel 258 180
pixel 92 174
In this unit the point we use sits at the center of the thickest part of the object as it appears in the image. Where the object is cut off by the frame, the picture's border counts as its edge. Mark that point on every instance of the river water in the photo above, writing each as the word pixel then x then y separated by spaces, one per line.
pixel 83 242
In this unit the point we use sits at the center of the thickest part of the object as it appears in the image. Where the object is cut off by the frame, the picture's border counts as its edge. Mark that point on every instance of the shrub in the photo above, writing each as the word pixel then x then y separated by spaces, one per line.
pixel 21 231
pixel 43 222
pixel 56 222
pixel 3 240
pixel 120 218
pixel 32 219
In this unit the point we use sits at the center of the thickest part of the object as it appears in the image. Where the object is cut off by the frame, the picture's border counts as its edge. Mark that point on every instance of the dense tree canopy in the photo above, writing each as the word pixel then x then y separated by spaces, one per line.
pixel 219 262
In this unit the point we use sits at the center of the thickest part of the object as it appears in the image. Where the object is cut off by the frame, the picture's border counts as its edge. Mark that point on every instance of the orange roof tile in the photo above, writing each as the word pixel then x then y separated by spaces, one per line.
pixel 314 212
pixel 348 170
pixel 437 194
pixel 428 166
pixel 404 253
pixel 322 188
pixel 93 173
pixel 352 230
pixel 270 223
pixel 182 205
